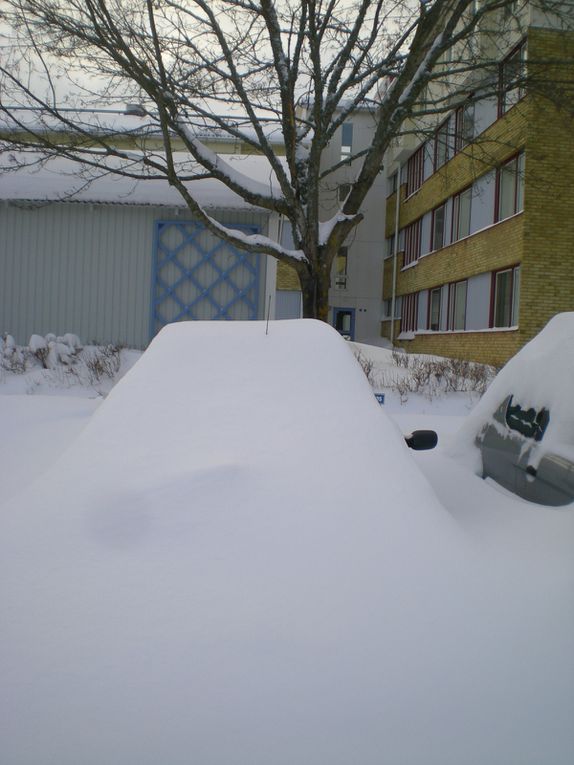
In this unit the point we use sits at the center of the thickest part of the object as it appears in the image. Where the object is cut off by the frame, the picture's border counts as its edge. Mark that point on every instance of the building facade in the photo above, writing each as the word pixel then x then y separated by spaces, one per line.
pixel 480 212
pixel 355 302
pixel 115 260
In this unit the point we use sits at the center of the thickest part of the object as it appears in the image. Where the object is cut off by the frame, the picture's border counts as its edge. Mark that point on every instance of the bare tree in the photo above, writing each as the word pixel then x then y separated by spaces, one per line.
pixel 293 68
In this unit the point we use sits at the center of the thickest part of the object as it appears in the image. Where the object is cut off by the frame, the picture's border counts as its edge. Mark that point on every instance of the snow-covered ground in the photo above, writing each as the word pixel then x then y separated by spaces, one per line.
pixel 234 559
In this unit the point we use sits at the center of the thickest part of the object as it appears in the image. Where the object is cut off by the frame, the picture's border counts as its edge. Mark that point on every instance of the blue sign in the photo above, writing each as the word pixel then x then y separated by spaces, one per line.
pixel 380 397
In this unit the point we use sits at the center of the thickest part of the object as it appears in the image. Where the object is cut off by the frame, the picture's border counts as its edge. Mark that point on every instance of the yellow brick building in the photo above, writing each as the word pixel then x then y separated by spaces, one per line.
pixel 481 253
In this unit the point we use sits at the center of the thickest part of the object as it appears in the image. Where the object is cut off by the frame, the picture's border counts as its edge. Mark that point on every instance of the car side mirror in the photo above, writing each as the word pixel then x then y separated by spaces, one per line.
pixel 420 440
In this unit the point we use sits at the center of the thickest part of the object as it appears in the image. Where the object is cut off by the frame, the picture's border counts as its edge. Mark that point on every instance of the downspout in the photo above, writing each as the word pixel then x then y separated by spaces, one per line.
pixel 395 254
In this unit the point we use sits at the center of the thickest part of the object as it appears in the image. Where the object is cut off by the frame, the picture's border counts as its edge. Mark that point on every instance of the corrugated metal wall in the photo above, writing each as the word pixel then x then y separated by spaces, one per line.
pixel 82 268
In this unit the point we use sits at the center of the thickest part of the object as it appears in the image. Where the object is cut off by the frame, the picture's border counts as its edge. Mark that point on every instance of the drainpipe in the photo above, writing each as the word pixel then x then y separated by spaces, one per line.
pixel 395 253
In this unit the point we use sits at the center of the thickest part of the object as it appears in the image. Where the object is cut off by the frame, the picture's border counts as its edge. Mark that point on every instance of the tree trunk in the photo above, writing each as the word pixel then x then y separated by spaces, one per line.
pixel 315 283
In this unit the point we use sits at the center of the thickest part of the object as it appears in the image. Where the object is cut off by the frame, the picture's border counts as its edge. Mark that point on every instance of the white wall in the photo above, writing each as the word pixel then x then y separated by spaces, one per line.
pixel 366 245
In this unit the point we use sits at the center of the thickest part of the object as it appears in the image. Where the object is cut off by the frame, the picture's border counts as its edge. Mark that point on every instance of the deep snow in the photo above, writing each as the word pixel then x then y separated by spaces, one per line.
pixel 237 560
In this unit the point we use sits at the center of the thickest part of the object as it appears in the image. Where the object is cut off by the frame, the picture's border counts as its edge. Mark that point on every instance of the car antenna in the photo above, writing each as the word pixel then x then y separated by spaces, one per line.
pixel 268 312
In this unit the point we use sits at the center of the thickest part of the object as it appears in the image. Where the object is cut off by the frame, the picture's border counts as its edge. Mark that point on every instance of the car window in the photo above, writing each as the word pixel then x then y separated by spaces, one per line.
pixel 527 422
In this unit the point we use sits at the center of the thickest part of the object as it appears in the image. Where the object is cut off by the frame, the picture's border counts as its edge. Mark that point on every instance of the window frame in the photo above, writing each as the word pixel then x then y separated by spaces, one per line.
pixel 455 221
pixel 433 291
pixel 513 269
pixel 410 312
pixel 520 49
pixel 461 140
pixel 444 126
pixel 415 170
pixel 412 242
pixel 452 305
pixel 518 158
pixel 433 244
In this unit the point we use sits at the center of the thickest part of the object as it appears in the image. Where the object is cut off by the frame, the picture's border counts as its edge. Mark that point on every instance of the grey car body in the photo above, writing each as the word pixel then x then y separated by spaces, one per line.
pixel 513 454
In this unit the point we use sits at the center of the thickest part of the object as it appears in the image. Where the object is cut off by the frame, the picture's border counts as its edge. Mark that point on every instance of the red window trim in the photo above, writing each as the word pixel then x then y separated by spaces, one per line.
pixel 449 313
pixel 454 209
pixel 409 312
pixel 412 242
pixel 429 301
pixel 432 242
pixel 493 292
pixel 513 158
pixel 415 170
pixel 501 93
pixel 443 124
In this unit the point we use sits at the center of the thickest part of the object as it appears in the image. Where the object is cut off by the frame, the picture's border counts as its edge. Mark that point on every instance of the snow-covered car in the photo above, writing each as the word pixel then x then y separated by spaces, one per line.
pixel 524 425
pixel 239 562
pixel 513 454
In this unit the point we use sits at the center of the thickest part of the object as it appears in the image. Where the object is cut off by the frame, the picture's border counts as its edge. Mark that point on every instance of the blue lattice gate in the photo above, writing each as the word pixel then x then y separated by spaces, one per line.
pixel 197 276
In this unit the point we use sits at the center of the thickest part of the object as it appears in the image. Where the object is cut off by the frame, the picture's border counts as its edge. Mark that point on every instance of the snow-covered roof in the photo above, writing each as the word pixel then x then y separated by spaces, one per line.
pixel 24 178
pixel 118 123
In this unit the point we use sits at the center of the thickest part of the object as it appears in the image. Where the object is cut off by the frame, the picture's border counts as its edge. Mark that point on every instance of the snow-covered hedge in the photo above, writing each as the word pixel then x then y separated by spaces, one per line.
pixel 59 361
pixel 50 351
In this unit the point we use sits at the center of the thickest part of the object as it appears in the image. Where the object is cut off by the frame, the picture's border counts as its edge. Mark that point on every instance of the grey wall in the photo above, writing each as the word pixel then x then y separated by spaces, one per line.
pixel 82 268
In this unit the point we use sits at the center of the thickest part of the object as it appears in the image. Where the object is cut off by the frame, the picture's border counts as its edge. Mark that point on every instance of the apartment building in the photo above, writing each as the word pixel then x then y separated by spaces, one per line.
pixel 480 204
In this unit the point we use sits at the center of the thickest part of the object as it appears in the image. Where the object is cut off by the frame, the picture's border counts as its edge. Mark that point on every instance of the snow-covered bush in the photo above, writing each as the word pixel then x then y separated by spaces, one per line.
pixel 12 357
pixel 429 376
pixel 101 362
pixel 60 361
pixel 434 376
pixel 39 347
pixel 52 351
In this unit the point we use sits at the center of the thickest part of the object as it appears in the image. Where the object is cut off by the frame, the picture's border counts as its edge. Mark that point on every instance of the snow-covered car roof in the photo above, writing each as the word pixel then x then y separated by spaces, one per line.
pixel 239 562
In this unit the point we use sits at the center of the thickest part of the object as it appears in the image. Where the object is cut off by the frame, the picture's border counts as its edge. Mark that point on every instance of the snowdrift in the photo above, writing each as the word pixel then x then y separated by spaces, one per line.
pixel 246 567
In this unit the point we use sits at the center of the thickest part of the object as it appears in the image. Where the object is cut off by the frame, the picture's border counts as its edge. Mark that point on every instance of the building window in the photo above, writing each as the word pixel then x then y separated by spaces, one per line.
pixel 510 188
pixel 393 183
pixel 412 242
pixel 461 214
pixel 434 309
pixel 438 227
pixel 346 140
pixel 409 312
pixel 415 170
pixel 512 78
pixel 463 126
pixel 505 297
pixel 388 305
pixel 341 268
pixel 442 145
pixel 390 246
pixel 457 305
